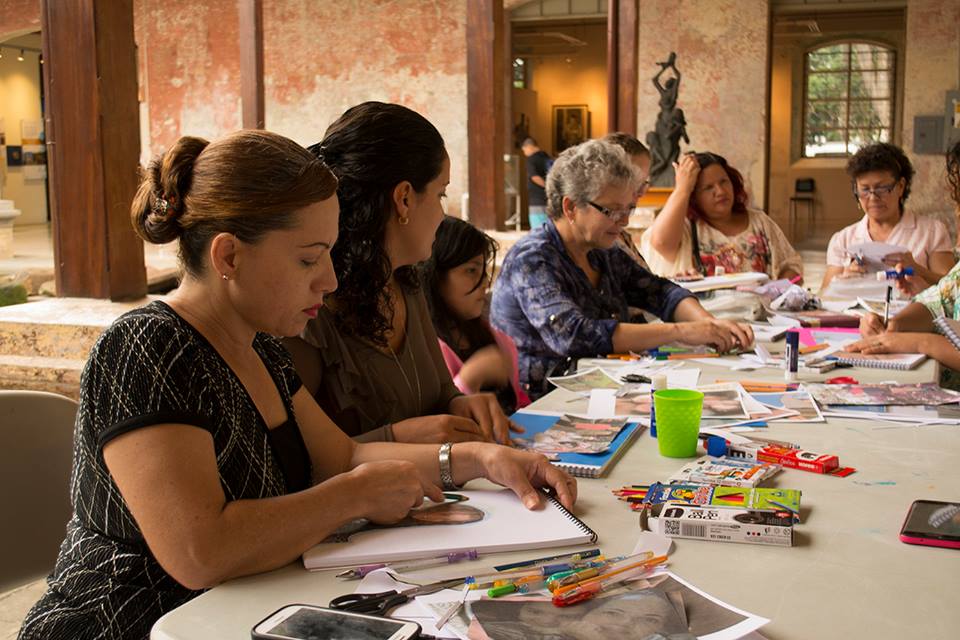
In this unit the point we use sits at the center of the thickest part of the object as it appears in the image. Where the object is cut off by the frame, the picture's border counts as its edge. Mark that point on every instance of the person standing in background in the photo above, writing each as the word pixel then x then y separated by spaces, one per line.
pixel 538 164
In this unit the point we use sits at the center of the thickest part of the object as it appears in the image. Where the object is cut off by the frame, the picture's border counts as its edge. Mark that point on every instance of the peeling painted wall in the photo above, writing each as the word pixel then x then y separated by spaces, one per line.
pixel 721 50
pixel 932 68
pixel 322 57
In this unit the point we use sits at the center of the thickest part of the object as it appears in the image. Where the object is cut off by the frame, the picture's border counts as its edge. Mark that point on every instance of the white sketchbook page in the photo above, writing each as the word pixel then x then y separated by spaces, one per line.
pixel 507 526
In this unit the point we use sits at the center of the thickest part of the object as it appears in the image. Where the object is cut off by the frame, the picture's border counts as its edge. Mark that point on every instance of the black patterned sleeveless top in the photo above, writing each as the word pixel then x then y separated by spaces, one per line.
pixel 152 367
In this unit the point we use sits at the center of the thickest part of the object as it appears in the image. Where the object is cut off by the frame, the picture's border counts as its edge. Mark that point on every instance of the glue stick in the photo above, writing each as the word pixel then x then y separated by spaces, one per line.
pixel 657 383
pixel 791 356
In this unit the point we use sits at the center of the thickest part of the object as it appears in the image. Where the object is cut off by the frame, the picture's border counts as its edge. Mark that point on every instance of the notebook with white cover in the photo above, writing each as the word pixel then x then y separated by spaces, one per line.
pixel 949 329
pixel 901 361
pixel 507 525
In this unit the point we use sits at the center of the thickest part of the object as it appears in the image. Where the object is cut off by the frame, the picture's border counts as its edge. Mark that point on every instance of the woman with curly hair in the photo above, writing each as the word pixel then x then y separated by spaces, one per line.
pixel 371 356
pixel 912 330
pixel 880 175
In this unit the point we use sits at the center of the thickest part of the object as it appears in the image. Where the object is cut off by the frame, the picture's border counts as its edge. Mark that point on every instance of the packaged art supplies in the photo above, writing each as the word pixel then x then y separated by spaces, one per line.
pixel 759 498
pixel 722 524
pixel 925 393
pixel 571 434
pixel 583 381
pixel 724 472
pixel 804 460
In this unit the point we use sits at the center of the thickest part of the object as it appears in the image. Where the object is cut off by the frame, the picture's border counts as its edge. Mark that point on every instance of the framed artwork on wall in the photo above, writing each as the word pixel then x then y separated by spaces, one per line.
pixel 571 126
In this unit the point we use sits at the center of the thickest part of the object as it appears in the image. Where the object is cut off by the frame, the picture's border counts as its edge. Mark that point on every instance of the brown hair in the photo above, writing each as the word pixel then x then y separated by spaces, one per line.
pixel 247 184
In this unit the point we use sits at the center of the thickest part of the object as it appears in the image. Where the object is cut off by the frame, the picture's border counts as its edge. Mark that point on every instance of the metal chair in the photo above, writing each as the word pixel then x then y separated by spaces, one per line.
pixel 36 452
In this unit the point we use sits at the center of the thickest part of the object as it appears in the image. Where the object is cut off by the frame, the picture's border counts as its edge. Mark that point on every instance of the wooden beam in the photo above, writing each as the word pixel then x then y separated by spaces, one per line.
pixel 93 143
pixel 251 63
pixel 485 112
pixel 613 57
pixel 628 33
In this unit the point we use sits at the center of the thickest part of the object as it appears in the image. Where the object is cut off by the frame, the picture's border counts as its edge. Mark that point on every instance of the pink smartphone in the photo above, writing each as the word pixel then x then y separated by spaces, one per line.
pixel 932 523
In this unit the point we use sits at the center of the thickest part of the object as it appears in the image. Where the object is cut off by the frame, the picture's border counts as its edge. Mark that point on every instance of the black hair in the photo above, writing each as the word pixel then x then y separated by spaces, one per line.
pixel 881 156
pixel 953 171
pixel 456 243
pixel 627 142
pixel 371 149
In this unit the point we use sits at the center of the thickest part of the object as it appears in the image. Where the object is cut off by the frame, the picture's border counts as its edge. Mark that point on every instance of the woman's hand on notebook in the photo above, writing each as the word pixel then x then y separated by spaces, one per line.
pixel 437 428
pixel 890 343
pixel 484 409
pixel 525 472
pixel 387 490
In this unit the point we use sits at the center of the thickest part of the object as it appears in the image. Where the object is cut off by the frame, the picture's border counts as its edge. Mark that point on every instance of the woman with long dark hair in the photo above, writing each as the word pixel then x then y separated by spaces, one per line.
pixel 455 280
pixel 371 355
pixel 706 224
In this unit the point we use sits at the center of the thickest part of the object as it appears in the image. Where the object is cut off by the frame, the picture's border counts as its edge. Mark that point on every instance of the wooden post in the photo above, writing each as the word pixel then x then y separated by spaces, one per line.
pixel 628 17
pixel 251 63
pixel 93 144
pixel 622 43
pixel 613 57
pixel 485 112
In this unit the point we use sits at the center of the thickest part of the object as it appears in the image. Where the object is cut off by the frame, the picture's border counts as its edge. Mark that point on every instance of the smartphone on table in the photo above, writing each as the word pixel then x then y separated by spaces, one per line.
pixel 307 622
pixel 932 523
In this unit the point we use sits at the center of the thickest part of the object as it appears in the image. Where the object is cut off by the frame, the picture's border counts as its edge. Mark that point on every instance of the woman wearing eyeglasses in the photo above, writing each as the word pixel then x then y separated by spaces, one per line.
pixel 881 175
pixel 706 224
pixel 564 289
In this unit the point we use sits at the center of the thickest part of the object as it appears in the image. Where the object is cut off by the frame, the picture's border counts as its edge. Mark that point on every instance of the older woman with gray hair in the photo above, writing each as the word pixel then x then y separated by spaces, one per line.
pixel 564 290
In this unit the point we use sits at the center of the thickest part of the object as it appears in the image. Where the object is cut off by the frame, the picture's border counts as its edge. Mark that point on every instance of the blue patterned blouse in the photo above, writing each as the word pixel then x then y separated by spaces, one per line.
pixel 545 302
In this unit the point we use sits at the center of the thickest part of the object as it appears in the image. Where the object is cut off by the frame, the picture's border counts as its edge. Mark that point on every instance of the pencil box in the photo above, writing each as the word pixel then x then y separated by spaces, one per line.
pixel 722 524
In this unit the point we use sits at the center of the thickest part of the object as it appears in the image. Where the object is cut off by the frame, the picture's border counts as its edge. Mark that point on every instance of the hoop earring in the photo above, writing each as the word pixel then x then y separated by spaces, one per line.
pixel 403 220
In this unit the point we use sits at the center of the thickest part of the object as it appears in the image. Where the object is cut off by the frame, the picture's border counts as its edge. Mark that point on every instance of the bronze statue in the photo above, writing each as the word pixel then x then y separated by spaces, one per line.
pixel 671 126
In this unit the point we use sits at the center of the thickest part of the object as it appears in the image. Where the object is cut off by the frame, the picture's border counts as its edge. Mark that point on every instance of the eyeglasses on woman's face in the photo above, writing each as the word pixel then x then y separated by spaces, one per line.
pixel 880 190
pixel 614 215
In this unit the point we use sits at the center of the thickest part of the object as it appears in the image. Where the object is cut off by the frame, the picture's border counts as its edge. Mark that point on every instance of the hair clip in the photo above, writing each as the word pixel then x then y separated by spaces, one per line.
pixel 163 206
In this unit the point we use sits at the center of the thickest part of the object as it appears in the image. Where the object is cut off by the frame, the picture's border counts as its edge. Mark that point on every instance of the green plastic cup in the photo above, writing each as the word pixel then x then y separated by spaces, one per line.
pixel 678 421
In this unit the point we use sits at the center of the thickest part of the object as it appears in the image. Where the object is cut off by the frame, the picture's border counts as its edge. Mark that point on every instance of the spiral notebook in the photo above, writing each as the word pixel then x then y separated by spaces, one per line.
pixel 901 361
pixel 949 329
pixel 584 465
pixel 506 526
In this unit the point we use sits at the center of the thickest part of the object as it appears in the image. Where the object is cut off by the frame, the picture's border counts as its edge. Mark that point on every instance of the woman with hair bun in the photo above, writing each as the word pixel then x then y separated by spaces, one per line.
pixel 198 455
pixel 371 356
pixel 706 224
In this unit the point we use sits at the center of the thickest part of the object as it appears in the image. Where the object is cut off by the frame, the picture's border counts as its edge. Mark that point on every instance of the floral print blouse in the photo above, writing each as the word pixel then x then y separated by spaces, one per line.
pixel 941 300
pixel 546 303
pixel 761 247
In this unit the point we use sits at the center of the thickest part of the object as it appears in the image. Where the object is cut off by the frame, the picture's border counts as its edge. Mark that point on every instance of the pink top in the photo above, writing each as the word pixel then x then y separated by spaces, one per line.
pixel 922 235
pixel 505 342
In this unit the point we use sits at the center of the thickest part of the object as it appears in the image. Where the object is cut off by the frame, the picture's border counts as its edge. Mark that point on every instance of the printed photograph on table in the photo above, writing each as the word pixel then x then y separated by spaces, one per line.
pixel 585 381
pixel 800 402
pixel 924 393
pixel 572 434
pixel 723 404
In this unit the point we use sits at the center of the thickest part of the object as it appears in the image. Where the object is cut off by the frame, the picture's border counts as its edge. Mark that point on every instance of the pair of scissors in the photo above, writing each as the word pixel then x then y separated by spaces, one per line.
pixel 379 604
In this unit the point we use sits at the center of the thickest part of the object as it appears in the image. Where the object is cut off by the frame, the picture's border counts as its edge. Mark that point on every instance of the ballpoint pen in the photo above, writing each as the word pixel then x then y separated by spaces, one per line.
pixel 572 557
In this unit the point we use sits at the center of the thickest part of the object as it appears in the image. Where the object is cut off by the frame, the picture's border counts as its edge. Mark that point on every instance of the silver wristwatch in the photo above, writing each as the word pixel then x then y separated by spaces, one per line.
pixel 446 472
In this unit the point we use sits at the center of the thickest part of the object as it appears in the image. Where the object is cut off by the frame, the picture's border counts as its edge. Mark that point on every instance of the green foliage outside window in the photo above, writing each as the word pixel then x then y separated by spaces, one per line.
pixel 848 99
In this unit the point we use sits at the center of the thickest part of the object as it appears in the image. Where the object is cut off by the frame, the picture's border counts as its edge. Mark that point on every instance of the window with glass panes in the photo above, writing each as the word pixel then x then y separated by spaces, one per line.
pixel 848 98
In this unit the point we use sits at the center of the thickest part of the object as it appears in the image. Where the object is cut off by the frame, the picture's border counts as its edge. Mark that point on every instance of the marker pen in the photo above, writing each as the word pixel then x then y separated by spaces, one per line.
pixel 791 356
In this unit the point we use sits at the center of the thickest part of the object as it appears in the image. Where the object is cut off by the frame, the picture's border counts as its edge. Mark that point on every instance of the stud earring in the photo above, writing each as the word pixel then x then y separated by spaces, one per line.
pixel 224 276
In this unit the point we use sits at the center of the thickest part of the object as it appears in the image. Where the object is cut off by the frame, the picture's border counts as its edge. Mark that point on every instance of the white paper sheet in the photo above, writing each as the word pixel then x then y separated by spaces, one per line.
pixel 602 404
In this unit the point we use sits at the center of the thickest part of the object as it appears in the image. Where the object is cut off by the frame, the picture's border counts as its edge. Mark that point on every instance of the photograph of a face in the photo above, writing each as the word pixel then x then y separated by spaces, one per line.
pixel 801 402
pixel 571 434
